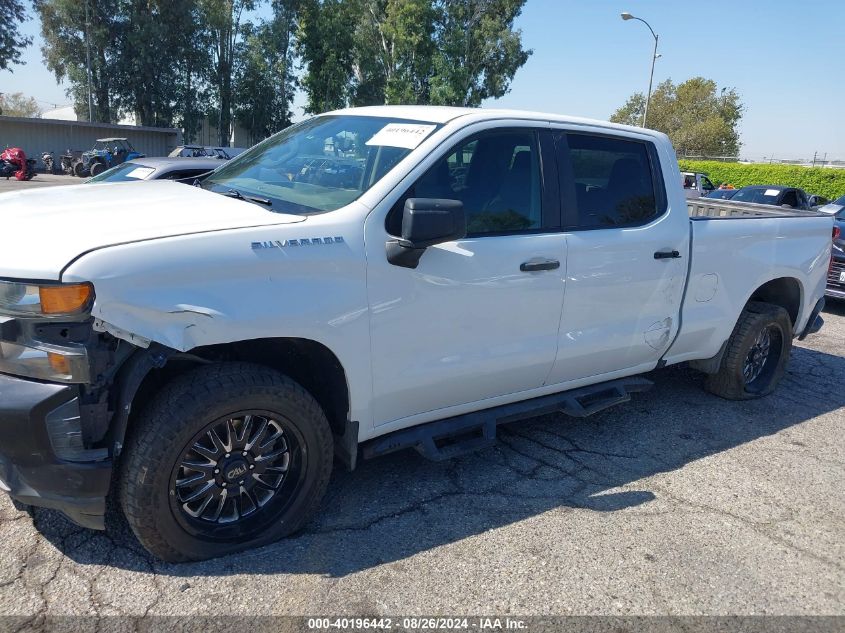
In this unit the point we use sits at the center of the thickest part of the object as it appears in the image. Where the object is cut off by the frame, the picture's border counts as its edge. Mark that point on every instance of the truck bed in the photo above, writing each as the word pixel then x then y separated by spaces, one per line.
pixel 730 259
pixel 706 208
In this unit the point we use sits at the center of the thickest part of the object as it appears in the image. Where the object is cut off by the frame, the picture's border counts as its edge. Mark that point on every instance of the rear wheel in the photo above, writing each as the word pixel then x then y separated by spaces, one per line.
pixel 756 355
pixel 225 458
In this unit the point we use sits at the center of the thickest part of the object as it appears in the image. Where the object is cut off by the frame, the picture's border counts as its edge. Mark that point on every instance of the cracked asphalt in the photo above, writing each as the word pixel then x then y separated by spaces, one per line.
pixel 675 503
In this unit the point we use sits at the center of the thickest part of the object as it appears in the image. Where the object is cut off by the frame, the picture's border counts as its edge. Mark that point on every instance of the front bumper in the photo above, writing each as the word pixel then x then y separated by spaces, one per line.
pixel 37 421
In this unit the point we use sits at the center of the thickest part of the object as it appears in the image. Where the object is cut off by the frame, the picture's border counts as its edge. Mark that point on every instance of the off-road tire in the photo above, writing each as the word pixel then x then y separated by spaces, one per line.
pixel 181 410
pixel 729 382
pixel 97 168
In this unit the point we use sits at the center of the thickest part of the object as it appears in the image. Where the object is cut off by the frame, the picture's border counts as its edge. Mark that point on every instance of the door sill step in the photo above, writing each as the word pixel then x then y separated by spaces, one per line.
pixel 463 434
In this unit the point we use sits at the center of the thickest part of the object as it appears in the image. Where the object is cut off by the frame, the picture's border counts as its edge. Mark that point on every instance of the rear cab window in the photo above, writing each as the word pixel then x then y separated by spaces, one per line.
pixel 609 181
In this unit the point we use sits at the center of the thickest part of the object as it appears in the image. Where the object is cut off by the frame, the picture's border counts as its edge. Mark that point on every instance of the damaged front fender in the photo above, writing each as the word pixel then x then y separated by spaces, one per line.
pixel 182 328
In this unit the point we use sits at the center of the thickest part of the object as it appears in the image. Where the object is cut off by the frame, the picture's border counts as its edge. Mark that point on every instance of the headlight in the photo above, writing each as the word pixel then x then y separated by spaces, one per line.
pixel 43 362
pixel 44 300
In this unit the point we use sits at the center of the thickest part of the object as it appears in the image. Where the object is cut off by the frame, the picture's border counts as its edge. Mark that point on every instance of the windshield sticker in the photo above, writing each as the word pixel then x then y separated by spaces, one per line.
pixel 407 135
pixel 139 173
pixel 771 192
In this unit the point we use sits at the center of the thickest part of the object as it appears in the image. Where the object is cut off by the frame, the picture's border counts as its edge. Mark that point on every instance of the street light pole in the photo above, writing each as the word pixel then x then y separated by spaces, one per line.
pixel 654 56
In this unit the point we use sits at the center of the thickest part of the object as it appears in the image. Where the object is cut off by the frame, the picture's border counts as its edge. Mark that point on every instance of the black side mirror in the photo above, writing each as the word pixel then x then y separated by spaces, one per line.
pixel 426 222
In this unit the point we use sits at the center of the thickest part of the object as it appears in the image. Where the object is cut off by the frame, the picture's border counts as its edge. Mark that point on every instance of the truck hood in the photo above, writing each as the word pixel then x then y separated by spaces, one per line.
pixel 43 230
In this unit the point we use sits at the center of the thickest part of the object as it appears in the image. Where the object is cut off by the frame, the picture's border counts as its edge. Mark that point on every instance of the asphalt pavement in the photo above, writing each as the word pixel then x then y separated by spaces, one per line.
pixel 39 181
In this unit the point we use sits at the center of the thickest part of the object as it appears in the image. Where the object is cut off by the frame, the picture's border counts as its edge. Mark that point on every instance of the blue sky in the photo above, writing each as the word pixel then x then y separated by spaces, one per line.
pixel 784 57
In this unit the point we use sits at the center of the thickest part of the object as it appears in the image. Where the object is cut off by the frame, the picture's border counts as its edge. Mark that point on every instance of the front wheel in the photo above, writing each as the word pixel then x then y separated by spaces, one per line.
pixel 756 355
pixel 97 168
pixel 225 458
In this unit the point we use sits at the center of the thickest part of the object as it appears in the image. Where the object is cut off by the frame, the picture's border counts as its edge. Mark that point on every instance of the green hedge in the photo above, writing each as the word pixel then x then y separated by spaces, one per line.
pixel 814 180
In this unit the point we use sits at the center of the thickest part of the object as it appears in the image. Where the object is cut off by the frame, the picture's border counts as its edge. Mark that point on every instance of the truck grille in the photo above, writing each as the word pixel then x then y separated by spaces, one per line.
pixel 836 269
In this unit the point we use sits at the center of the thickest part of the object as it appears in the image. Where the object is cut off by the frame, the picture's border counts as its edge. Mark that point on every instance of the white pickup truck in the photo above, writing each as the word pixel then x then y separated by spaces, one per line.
pixel 696 184
pixel 366 281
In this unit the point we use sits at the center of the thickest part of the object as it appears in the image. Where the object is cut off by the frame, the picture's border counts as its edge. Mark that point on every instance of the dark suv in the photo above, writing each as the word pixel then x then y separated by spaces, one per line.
pixel 836 274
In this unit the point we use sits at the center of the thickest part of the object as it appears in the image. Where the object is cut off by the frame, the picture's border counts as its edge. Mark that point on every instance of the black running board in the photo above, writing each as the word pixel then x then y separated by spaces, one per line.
pixel 452 437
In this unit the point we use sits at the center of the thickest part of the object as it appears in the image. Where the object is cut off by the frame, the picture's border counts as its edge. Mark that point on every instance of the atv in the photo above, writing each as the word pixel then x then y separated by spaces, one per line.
pixel 107 153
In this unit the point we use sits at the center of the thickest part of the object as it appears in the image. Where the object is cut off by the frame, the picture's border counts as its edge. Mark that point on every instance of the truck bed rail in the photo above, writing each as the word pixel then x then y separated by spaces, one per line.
pixel 707 208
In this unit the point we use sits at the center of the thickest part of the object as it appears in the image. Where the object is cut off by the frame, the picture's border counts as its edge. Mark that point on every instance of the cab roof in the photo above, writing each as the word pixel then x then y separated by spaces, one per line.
pixel 445 114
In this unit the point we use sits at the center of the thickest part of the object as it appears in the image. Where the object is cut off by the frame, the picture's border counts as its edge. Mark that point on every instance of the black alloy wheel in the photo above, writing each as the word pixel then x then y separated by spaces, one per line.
pixel 236 475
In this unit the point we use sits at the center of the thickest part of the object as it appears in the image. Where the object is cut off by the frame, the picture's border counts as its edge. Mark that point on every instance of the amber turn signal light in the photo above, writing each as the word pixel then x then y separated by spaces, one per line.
pixel 65 299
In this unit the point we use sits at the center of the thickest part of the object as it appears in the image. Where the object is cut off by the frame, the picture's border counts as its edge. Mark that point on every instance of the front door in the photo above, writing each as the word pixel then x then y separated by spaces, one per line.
pixel 469 324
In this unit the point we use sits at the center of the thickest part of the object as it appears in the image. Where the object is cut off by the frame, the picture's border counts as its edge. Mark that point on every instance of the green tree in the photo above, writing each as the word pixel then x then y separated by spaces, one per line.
pixel 394 47
pixel 148 33
pixel 697 119
pixel 224 31
pixel 264 78
pixel 478 50
pixel 16 104
pixel 326 43
pixel 63 29
pixel 452 52
pixel 12 42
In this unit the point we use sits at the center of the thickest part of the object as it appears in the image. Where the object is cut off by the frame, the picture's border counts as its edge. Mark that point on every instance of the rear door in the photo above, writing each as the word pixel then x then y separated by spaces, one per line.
pixel 626 255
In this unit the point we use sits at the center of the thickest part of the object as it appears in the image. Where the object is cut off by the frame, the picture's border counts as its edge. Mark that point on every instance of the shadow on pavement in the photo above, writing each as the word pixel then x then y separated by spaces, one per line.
pixel 834 306
pixel 401 505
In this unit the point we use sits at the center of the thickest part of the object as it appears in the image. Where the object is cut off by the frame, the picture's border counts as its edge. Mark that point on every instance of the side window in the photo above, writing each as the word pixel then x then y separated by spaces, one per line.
pixel 706 184
pixel 497 177
pixel 790 198
pixel 613 181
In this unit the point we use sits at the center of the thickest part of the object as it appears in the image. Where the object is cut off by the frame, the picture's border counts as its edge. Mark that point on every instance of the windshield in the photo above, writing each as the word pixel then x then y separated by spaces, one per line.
pixel 722 194
pixel 321 164
pixel 760 195
pixel 840 200
pixel 123 173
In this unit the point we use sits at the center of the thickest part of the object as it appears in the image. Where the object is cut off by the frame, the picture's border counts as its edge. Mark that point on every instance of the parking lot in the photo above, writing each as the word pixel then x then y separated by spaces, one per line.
pixel 675 503
pixel 40 180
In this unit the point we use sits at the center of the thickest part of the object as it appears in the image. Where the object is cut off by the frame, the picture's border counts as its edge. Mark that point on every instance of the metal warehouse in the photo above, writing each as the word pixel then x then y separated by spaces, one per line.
pixel 35 136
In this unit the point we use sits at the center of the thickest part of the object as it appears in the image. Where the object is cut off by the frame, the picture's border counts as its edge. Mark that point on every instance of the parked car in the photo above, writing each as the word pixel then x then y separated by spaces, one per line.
pixel 836 274
pixel 790 197
pixel 107 153
pixel 212 349
pixel 696 184
pixel 158 169
pixel 199 151
pixel 833 207
pixel 721 194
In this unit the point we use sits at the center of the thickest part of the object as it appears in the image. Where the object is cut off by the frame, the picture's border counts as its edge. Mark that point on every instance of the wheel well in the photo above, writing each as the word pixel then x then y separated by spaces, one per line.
pixel 309 363
pixel 784 292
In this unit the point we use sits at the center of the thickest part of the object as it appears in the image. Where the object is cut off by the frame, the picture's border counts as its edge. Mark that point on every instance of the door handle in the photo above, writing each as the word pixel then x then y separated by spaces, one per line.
pixel 667 255
pixel 539 264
